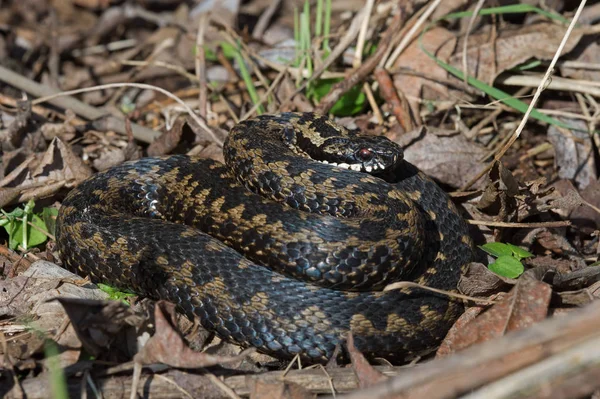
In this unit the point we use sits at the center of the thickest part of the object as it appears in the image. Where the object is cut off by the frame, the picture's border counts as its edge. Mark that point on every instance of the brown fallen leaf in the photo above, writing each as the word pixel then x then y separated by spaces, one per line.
pixel 448 344
pixel 574 153
pixel 281 390
pixel 526 304
pixel 487 58
pixel 102 324
pixel 450 159
pixel 438 41
pixel 168 140
pixel 366 374
pixel 166 345
pixel 57 168
pixel 479 281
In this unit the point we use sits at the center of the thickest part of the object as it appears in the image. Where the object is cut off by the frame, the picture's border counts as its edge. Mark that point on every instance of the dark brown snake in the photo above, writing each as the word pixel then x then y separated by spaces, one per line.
pixel 355 217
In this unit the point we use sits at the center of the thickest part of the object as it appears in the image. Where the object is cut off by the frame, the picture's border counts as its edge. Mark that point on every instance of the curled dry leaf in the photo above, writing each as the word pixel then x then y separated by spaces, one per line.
pixel 487 58
pixel 167 346
pixel 526 304
pixel 479 281
pixel 278 390
pixel 451 159
pixel 103 324
pixel 366 374
pixel 438 41
pixel 58 168
pixel 574 153
pixel 167 140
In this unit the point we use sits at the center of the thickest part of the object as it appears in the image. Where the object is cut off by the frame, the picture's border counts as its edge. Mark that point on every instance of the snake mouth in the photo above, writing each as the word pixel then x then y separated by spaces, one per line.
pixel 357 167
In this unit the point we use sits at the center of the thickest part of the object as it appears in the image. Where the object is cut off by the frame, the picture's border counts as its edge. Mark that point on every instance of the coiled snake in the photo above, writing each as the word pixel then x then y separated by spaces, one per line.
pixel 355 217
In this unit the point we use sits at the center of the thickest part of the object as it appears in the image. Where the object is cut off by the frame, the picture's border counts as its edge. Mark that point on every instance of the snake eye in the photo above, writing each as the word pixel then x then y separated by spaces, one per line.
pixel 364 154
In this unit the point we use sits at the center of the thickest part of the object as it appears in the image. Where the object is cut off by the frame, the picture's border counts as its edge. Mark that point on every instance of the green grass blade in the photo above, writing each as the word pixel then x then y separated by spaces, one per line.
pixel 247 78
pixel 58 381
pixel 491 91
pixel 327 26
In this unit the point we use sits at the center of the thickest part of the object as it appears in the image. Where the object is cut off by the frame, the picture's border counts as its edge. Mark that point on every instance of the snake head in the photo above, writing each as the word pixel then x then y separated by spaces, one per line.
pixel 370 154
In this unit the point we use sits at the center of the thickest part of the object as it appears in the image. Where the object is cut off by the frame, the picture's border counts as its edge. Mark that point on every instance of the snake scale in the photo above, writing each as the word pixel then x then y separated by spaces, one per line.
pixel 334 214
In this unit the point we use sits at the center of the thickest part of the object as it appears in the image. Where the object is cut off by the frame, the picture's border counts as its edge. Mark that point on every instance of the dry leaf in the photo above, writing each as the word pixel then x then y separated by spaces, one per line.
pixel 451 159
pixel 367 375
pixel 574 153
pixel 487 58
pixel 526 304
pixel 281 390
pixel 437 41
pixel 479 281
pixel 167 346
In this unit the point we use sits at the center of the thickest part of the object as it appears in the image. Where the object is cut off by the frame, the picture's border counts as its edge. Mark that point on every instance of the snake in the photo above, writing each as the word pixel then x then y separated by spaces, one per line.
pixel 288 247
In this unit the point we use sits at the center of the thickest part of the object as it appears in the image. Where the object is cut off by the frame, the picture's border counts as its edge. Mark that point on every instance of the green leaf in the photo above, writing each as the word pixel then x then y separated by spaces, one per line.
pixel 507 266
pixel 518 252
pixel 116 294
pixel 497 249
pixel 34 236
pixel 349 104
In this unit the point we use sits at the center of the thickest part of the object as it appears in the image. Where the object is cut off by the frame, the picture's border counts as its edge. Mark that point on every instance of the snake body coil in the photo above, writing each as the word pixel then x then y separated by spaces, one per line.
pixel 357 218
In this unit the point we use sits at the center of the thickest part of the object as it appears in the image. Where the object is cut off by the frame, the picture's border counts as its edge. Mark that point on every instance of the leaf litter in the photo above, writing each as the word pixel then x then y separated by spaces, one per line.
pixel 371 70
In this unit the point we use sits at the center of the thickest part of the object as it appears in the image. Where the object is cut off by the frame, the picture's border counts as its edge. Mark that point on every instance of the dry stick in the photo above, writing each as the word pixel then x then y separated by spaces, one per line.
pixel 66 102
pixel 178 100
pixel 264 19
pixel 480 364
pixel 536 96
pixel 560 223
pixel 200 64
pixel 392 98
pixel 362 35
pixel 465 65
pixel 400 285
pixel 411 34
pixel 557 83
pixel 360 45
pixel 538 378
pixel 362 71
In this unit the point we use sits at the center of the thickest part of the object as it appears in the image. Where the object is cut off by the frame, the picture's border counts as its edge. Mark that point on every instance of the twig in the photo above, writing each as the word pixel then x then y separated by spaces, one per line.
pixel 392 98
pixel 66 102
pixel 557 83
pixel 411 34
pixel 362 35
pixel 264 19
pixel 192 114
pixel 200 64
pixel 411 284
pixel 560 223
pixel 544 82
pixel 465 65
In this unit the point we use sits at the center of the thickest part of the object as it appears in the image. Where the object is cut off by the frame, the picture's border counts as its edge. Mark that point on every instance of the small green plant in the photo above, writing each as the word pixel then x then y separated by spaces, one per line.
pixel 508 258
pixel 58 380
pixel 115 294
pixel 352 101
pixel 25 228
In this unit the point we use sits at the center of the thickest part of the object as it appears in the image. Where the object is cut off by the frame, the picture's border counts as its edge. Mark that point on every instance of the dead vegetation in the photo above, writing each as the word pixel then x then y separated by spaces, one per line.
pixel 497 102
